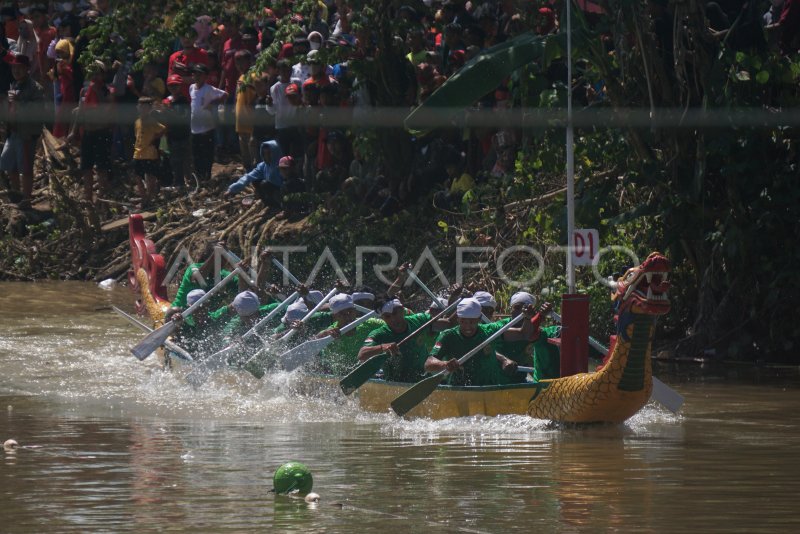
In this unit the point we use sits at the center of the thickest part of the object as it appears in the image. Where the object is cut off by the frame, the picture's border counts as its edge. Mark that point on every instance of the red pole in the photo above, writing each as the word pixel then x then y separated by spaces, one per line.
pixel 574 334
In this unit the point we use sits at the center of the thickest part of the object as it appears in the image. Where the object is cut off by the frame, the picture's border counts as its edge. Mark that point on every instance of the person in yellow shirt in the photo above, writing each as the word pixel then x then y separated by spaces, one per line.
pixel 245 108
pixel 146 157
pixel 458 183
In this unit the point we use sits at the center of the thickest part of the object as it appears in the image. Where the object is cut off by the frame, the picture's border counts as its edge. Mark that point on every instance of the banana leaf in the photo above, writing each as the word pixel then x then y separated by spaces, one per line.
pixel 481 75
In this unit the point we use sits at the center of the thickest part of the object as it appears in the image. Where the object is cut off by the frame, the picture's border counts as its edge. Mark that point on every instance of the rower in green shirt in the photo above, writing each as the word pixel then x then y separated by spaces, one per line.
pixel 484 368
pixel 518 343
pixel 340 357
pixel 405 364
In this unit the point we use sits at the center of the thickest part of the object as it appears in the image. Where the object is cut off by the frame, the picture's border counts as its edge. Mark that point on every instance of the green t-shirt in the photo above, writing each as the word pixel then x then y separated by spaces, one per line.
pixel 317 323
pixel 410 365
pixel 205 340
pixel 520 351
pixel 235 327
pixel 189 284
pixel 482 369
pixel 341 356
pixel 546 357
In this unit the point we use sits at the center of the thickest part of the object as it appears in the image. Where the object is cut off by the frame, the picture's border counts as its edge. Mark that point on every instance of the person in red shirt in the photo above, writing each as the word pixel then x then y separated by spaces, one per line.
pixel 96 135
pixel 64 87
pixel 183 61
pixel 45 33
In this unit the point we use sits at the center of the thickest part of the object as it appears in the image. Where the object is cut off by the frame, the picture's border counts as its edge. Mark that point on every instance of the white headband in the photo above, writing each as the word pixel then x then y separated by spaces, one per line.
pixel 469 309
pixel 486 299
pixel 363 296
pixel 389 306
pixel 341 302
pixel 522 297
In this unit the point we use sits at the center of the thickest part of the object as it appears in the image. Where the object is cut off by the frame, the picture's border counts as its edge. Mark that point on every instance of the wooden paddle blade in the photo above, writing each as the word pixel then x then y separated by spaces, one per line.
pixel 671 399
pixel 153 340
pixel 362 373
pixel 304 353
pixel 416 394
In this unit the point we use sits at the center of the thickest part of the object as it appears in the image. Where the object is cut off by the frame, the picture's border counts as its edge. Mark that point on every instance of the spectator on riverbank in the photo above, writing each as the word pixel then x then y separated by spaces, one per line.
pixel 146 156
pixel 19 149
pixel 204 99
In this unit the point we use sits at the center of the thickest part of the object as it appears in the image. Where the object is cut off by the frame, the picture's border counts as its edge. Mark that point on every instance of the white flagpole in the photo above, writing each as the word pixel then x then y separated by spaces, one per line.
pixel 570 158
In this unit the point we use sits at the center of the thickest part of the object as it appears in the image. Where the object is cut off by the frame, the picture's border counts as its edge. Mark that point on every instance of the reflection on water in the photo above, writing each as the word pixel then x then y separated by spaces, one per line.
pixel 110 443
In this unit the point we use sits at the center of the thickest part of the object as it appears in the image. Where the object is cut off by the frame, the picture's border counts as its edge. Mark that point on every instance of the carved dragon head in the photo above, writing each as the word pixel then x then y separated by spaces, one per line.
pixel 643 289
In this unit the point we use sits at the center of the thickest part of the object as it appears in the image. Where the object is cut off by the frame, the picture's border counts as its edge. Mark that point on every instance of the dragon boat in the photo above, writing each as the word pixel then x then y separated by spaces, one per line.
pixel 612 394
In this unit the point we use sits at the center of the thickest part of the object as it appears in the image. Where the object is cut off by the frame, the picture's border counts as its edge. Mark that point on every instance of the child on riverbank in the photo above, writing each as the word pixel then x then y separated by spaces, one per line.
pixel 146 157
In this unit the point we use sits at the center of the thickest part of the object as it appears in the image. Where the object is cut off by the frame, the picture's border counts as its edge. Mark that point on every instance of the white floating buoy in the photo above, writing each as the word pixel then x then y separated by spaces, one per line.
pixel 107 284
pixel 10 444
pixel 312 497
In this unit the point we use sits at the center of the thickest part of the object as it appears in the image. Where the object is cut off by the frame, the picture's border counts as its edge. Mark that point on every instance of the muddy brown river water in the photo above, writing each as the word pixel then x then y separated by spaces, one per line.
pixel 111 444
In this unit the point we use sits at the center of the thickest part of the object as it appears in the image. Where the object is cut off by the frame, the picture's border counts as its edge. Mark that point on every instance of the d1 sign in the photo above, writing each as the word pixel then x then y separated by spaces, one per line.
pixel 585 244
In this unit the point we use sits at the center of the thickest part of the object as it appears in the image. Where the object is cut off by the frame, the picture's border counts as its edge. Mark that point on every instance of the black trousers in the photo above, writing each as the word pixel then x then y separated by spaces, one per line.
pixel 203 154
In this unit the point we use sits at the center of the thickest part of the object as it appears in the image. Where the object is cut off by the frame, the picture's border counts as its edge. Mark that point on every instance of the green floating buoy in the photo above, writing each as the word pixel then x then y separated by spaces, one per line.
pixel 292 476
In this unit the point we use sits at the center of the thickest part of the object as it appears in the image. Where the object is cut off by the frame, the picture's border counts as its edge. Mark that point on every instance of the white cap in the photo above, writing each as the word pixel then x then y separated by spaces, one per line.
pixel 314 296
pixel 341 302
pixel 194 295
pixel 295 312
pixel 486 299
pixel 522 297
pixel 363 296
pixel 246 303
pixel 389 306
pixel 469 309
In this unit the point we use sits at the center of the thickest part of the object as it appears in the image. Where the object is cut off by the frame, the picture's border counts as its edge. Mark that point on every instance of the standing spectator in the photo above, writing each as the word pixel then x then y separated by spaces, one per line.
pixel 45 33
pixel 63 88
pixel 28 45
pixel 146 157
pixel 284 111
pixel 23 129
pixel 245 108
pixel 176 116
pixel 96 136
pixel 183 61
pixel 263 123
pixel 301 70
pixel 204 98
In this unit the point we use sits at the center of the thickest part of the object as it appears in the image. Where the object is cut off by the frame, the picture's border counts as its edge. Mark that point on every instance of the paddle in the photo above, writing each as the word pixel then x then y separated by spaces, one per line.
pixel 286 272
pixel 179 351
pixel 422 389
pixel 156 338
pixel 665 395
pixel 432 295
pixel 368 368
pixel 206 366
pixel 307 317
pixel 305 352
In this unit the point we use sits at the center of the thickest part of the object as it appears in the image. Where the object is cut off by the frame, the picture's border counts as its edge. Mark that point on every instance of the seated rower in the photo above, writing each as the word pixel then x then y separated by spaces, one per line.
pixel 488 304
pixel 294 312
pixel 483 369
pixel 363 296
pixel 340 357
pixel 198 333
pixel 405 364
pixel 517 343
pixel 293 320
pixel 201 276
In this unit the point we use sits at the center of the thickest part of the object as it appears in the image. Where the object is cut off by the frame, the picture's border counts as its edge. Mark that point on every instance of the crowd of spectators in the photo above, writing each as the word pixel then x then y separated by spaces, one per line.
pixel 207 102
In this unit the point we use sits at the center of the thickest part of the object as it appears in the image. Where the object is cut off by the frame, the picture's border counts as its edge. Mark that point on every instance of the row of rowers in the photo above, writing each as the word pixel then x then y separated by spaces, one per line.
pixel 437 347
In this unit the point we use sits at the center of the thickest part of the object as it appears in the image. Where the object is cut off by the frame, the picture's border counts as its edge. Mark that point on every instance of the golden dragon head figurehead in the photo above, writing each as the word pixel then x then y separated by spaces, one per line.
pixel 643 289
